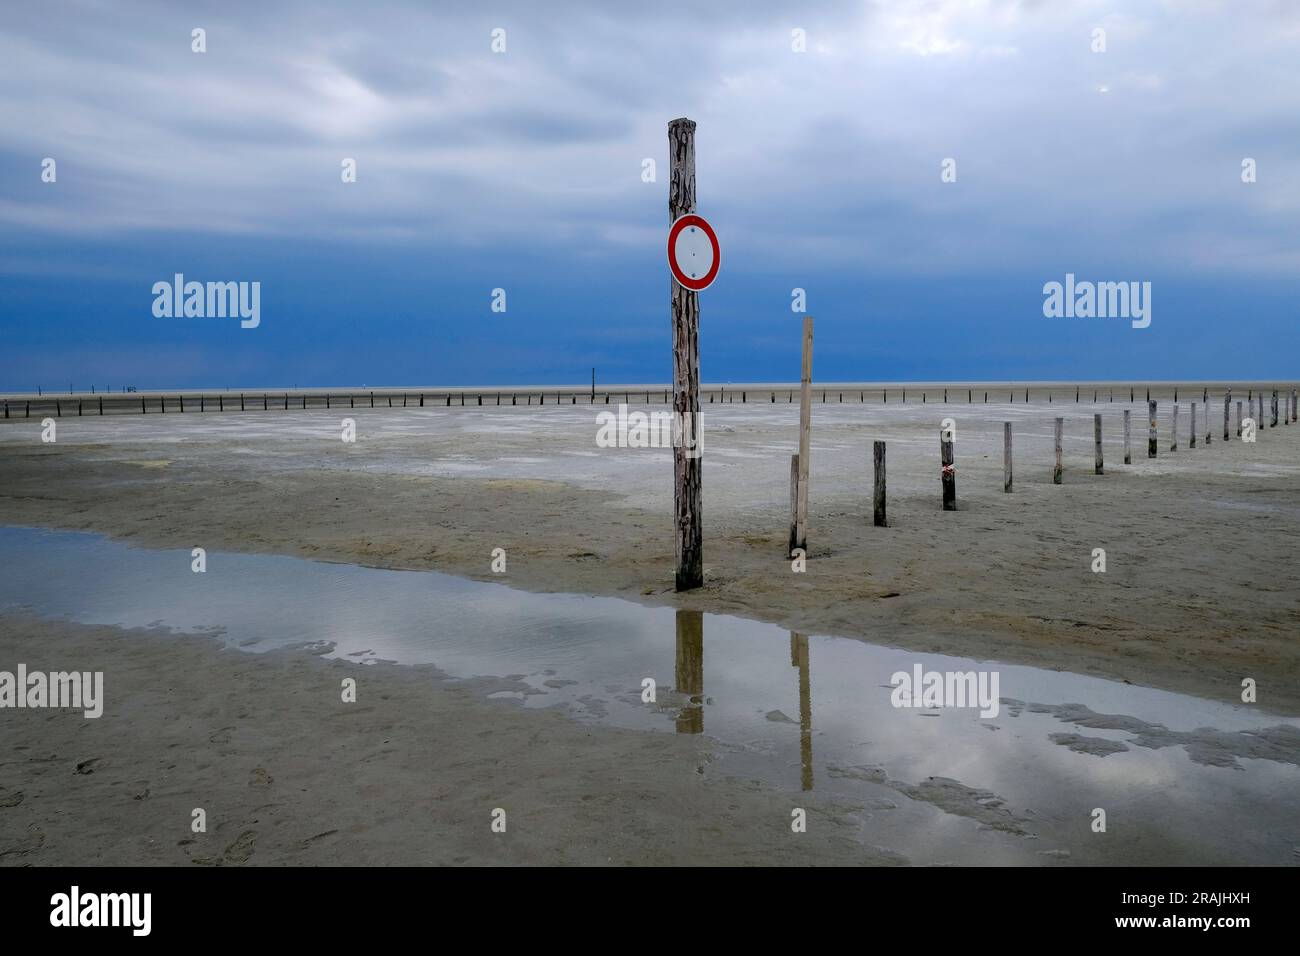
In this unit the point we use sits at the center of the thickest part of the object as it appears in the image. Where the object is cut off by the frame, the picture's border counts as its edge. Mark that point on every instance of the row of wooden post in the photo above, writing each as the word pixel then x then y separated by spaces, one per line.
pixel 948 468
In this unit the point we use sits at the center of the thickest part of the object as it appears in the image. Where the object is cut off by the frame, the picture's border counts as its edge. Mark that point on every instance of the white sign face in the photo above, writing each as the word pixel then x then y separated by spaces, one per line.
pixel 693 252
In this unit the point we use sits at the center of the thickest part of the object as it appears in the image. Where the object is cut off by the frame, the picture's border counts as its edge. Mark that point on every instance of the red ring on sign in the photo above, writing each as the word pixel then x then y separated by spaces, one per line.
pixel 686 282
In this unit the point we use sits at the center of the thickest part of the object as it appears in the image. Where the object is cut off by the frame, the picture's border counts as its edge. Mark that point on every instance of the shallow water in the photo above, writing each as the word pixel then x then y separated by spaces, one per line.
pixel 1182 780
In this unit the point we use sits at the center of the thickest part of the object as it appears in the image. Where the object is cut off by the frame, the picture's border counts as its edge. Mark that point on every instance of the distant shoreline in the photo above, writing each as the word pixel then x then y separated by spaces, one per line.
pixel 633 388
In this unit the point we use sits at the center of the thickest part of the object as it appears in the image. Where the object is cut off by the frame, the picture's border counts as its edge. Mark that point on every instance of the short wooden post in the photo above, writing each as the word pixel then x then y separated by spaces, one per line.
pixel 805 429
pixel 1060 432
pixel 1273 411
pixel 1239 419
pixel 1151 429
pixel 1097 468
pixel 878 491
pixel 688 465
pixel 948 474
pixel 1128 438
pixel 1192 437
pixel 1173 441
pixel 794 506
pixel 1227 402
pixel 1006 457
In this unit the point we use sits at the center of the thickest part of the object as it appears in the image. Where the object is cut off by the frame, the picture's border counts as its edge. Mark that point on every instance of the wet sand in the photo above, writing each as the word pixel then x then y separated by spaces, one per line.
pixel 1201 590
pixel 410 774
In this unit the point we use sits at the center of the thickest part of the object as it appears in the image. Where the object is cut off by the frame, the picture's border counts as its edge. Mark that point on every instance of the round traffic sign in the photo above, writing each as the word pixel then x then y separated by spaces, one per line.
pixel 693 252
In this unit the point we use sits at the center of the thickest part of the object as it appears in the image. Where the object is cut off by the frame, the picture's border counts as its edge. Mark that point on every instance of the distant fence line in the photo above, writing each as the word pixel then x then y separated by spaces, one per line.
pixel 192 402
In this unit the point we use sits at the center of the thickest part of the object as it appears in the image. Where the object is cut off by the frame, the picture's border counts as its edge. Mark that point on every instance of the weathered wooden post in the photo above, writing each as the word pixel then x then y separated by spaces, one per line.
pixel 1273 411
pixel 1096 444
pixel 1173 441
pixel 805 431
pixel 1006 457
pixel 1192 437
pixel 1060 431
pixel 948 474
pixel 1227 401
pixel 878 491
pixel 1293 405
pixel 1128 439
pixel 688 463
pixel 1239 419
pixel 1151 429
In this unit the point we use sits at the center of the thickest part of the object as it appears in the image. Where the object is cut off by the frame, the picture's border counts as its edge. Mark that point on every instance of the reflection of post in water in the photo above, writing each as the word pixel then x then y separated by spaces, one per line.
pixel 690 670
pixel 799 659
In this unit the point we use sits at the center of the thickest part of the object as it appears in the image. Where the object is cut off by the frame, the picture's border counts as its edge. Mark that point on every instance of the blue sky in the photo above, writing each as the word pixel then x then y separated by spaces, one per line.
pixel 522 170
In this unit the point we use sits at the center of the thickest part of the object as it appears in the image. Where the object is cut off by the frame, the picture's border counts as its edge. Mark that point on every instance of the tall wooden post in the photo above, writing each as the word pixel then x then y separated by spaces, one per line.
pixel 1273 411
pixel 1193 434
pixel 1227 401
pixel 878 490
pixel 688 464
pixel 1173 440
pixel 1059 434
pixel 1151 428
pixel 1006 457
pixel 805 432
pixel 1239 419
pixel 1096 445
pixel 1128 438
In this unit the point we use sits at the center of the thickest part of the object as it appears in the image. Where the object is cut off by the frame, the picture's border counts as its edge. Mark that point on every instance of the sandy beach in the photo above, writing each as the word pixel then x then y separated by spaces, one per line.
pixel 1200 591
pixel 1201 586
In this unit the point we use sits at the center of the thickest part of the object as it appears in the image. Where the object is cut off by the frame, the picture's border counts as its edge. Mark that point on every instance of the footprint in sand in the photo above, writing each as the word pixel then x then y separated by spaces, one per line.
pixel 242 848
pixel 260 779
pixel 10 797
pixel 90 766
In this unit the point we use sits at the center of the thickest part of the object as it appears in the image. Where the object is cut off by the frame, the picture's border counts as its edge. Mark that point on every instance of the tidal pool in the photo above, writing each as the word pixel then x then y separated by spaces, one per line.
pixel 1181 780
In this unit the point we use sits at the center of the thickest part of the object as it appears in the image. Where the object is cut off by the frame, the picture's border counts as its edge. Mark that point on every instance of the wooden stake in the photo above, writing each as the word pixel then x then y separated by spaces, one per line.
pixel 1227 401
pixel 1239 419
pixel 1096 445
pixel 805 431
pixel 1006 457
pixel 1151 429
pixel 878 492
pixel 1173 442
pixel 688 469
pixel 1192 437
pixel 1060 430
pixel 948 475
pixel 794 506
pixel 1128 438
